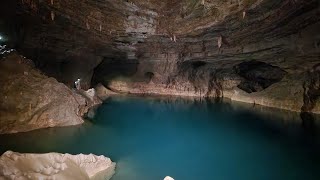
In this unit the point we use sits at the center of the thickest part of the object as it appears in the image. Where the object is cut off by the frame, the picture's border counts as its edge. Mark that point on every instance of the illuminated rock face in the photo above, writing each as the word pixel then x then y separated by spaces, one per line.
pixel 55 166
pixel 31 100
pixel 181 47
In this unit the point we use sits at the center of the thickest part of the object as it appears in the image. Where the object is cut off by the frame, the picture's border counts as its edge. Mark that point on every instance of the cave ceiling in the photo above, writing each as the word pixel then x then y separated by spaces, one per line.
pixel 124 28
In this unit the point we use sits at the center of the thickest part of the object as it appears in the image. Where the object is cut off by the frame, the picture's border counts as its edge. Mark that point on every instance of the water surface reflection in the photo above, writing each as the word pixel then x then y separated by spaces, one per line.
pixel 153 137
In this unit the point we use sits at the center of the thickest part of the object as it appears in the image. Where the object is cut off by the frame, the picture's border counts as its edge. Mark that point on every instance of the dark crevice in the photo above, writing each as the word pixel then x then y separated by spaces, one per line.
pixel 149 76
pixel 198 64
pixel 112 68
pixel 257 75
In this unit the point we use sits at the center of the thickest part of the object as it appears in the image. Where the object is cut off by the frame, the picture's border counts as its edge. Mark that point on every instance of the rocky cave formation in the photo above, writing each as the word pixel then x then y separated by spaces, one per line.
pixel 31 100
pixel 55 166
pixel 263 52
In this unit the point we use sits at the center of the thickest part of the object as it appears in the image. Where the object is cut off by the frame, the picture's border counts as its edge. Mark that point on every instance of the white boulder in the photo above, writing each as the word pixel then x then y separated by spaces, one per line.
pixel 91 93
pixel 168 178
pixel 55 166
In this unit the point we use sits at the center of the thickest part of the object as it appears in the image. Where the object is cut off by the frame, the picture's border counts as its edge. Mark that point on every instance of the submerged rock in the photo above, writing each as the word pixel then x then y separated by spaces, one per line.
pixel 32 100
pixel 55 166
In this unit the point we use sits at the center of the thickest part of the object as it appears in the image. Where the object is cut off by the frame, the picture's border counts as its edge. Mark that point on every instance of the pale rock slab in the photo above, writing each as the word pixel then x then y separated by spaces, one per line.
pixel 168 178
pixel 19 166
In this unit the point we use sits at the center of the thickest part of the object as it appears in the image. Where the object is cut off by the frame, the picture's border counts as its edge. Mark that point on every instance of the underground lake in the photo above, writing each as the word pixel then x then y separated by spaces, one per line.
pixel 153 137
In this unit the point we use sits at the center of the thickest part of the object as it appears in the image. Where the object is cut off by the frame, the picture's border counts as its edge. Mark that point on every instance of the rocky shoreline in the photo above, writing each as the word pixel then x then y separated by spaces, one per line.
pixel 296 90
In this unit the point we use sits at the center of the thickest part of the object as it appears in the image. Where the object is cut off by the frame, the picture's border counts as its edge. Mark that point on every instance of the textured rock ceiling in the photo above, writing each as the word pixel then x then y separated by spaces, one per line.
pixel 259 51
pixel 62 34
pixel 112 21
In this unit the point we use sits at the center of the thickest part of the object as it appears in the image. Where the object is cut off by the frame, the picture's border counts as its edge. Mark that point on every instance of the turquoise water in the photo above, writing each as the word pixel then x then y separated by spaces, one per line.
pixel 151 138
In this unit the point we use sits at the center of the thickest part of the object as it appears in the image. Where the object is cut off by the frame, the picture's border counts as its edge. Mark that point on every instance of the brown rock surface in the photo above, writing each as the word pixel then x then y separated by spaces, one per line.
pixel 31 100
pixel 176 47
pixel 222 80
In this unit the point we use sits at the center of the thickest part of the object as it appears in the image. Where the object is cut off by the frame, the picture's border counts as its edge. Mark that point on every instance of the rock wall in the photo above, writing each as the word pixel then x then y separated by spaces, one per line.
pixel 31 100
pixel 271 68
pixel 255 51
pixel 68 39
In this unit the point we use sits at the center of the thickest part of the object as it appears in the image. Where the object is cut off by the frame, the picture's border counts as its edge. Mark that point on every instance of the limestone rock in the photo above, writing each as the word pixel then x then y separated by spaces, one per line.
pixel 91 93
pixel 276 88
pixel 311 89
pixel 168 178
pixel 34 100
pixel 126 46
pixel 14 165
pixel 102 92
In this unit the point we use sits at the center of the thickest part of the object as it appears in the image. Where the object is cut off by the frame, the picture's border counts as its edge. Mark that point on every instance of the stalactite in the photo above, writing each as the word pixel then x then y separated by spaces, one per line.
pixel 174 38
pixel 51 2
pixel 52 15
pixel 87 24
pixel 100 28
pixel 243 14
pixel 219 41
